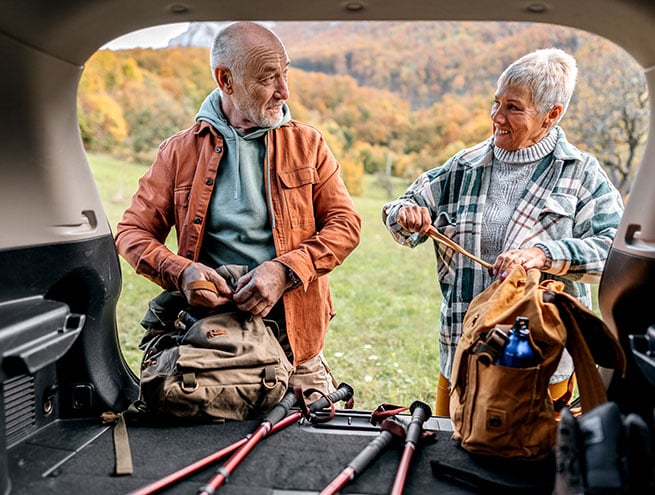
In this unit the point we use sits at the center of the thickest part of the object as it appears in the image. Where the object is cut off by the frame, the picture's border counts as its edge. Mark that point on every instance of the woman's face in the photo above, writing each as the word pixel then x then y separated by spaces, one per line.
pixel 516 121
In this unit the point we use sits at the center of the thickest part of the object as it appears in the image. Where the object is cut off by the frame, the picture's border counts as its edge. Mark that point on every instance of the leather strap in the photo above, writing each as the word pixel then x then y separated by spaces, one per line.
pixel 188 382
pixel 307 410
pixel 202 285
pixel 592 390
pixel 433 233
pixel 122 451
pixel 270 379
pixel 384 411
pixel 397 430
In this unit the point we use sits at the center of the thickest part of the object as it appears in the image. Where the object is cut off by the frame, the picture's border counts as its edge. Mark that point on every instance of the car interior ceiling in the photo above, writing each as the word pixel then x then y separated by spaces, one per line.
pixel 61 359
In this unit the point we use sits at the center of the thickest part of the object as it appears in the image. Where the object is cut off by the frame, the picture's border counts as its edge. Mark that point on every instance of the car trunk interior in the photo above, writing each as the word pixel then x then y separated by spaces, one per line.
pixel 61 364
pixel 302 458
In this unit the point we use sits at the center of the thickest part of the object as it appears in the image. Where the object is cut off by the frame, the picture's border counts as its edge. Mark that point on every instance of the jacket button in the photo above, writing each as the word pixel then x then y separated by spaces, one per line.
pixel 197 220
pixel 209 182
pixel 218 149
pixel 495 422
pixel 189 255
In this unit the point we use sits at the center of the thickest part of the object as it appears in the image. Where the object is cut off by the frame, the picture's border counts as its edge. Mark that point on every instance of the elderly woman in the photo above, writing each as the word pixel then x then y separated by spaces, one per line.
pixel 524 196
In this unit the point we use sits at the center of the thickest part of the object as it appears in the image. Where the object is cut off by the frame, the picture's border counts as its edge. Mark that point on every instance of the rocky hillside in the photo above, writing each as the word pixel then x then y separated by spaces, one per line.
pixel 419 61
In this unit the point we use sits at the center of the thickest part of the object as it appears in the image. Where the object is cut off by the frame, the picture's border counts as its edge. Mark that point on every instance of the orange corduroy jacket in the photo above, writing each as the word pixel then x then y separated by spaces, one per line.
pixel 316 224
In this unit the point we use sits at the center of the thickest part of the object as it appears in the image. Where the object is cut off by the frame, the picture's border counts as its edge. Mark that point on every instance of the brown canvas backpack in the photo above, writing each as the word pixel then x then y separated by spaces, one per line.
pixel 220 363
pixel 508 412
pixel 226 366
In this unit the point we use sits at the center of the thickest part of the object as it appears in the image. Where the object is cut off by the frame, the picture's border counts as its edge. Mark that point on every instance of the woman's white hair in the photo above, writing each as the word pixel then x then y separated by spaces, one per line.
pixel 549 73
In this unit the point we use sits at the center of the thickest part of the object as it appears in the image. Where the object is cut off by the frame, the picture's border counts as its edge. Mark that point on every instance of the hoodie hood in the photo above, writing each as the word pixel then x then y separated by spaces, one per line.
pixel 211 111
pixel 240 216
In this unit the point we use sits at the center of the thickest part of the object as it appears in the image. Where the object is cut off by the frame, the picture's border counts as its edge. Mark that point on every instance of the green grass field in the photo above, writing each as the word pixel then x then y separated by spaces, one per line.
pixel 383 340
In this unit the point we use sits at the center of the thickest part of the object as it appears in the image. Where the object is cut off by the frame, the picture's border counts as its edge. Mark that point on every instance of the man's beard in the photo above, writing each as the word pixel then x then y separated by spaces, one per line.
pixel 260 119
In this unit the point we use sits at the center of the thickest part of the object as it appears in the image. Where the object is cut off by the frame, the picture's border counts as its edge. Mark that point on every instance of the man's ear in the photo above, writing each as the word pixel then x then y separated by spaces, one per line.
pixel 224 79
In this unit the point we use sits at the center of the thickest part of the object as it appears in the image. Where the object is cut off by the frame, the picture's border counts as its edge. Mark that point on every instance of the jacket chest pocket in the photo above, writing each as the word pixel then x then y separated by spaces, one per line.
pixel 297 195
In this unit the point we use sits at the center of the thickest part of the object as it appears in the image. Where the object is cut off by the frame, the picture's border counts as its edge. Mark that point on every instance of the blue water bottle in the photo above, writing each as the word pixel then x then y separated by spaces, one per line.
pixel 518 352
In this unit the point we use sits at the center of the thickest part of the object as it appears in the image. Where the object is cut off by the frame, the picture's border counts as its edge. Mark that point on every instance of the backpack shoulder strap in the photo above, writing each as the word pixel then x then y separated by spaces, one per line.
pixel 607 351
pixel 592 390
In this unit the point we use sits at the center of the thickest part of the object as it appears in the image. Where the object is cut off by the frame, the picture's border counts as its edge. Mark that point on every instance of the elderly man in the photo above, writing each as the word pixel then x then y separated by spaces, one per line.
pixel 248 185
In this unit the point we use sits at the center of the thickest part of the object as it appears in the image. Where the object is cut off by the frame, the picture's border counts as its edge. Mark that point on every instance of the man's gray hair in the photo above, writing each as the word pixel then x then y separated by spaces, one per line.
pixel 228 46
pixel 550 74
pixel 226 51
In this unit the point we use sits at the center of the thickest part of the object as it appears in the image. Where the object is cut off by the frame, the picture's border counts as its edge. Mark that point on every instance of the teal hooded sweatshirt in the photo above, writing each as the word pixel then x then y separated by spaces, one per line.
pixel 238 229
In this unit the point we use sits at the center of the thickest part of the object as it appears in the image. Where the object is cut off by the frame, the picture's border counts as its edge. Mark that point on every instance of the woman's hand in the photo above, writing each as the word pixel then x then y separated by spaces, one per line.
pixel 527 258
pixel 415 219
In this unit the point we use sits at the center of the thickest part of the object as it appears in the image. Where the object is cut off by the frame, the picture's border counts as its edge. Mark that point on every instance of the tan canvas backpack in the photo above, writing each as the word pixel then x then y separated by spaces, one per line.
pixel 508 412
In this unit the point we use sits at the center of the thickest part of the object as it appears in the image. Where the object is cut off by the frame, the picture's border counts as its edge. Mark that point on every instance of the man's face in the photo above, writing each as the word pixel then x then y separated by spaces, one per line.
pixel 261 90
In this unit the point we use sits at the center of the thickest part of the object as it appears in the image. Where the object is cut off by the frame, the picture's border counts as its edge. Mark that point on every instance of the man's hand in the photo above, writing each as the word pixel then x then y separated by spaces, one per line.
pixel 415 219
pixel 258 290
pixel 193 284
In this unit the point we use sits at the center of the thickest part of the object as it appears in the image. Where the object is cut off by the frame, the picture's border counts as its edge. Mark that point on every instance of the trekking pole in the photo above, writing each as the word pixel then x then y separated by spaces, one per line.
pixel 280 410
pixel 344 392
pixel 172 478
pixel 180 474
pixel 274 416
pixel 420 412
pixel 389 430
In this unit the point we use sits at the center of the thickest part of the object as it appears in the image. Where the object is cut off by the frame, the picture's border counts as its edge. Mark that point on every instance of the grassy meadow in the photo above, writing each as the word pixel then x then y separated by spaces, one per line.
pixel 383 340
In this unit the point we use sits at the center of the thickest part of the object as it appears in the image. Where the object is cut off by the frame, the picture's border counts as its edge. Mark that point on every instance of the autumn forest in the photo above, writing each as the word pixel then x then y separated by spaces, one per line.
pixel 392 98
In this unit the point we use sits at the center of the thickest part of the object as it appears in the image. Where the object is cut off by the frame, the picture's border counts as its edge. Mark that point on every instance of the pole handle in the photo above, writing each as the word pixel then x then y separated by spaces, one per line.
pixel 281 409
pixel 420 412
pixel 371 451
pixel 343 392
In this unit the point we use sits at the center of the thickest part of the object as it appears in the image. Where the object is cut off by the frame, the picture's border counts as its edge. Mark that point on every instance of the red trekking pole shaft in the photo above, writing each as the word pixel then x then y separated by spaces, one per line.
pixel 361 460
pixel 276 414
pixel 187 470
pixel 267 426
pixel 420 412
pixel 180 474
pixel 339 481
pixel 343 393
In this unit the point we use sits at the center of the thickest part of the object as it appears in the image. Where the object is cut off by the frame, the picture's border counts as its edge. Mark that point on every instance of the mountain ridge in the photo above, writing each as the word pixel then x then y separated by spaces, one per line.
pixel 420 61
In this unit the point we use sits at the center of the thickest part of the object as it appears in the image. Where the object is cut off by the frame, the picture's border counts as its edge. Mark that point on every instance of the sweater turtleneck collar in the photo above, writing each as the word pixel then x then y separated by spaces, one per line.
pixel 530 154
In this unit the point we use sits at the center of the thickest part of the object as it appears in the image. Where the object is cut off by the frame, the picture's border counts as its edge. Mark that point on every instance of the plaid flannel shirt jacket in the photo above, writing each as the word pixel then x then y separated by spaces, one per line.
pixel 569 206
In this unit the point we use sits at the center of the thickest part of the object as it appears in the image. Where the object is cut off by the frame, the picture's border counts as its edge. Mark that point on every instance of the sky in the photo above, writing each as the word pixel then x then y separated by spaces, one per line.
pixel 155 37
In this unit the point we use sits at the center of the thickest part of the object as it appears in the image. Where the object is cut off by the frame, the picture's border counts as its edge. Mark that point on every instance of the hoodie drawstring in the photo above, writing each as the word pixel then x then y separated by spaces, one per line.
pixel 267 174
pixel 237 180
